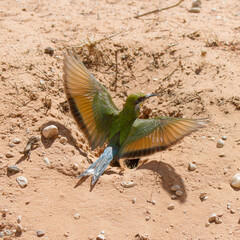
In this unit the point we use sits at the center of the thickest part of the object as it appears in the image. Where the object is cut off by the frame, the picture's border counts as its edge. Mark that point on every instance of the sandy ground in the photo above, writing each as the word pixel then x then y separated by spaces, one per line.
pixel 191 59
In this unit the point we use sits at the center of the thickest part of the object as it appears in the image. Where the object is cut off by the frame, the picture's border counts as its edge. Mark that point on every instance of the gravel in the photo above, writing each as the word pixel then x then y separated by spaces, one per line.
pixel 235 182
pixel 170 207
pixel 192 167
pixel 9 155
pixel 13 169
pixel 46 160
pixel 22 181
pixel 16 141
pixel 50 131
pixel 40 233
pixel 127 184
pixel 220 143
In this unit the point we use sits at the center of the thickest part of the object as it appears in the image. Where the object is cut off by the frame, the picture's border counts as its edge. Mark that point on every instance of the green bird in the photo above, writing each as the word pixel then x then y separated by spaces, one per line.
pixel 101 121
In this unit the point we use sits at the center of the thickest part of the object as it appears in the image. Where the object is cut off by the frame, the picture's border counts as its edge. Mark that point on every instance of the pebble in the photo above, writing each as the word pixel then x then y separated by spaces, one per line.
pixel 207 224
pixel 50 131
pixel 179 193
pixel 46 160
pixel 203 196
pixel 49 51
pixel 155 79
pixel 9 155
pixel 22 181
pixel 220 143
pixel 236 181
pixel 75 166
pixel 221 155
pixel 40 233
pixel 19 228
pixel 147 218
pixel 192 167
pixel 8 232
pixel 1 234
pixel 203 52
pixel 4 211
pixel 16 141
pixel 153 202
pixel 63 140
pixel 13 169
pixel 175 188
pixel 194 10
pixel 212 217
pixel 19 218
pixel 170 207
pixel 11 145
pixel 102 232
pixel 100 237
pixel 225 171
pixel 232 211
pixel 134 200
pixel 196 3
pixel 218 220
pixel 224 137
pixel 174 197
pixel 77 216
pixel 127 184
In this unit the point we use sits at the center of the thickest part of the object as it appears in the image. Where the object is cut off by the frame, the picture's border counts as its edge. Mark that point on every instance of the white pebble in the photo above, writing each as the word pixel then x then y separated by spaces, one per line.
pixel 224 137
pixel 22 181
pixel 16 141
pixel 134 200
pixel 179 193
pixel 212 217
pixel 194 10
pixel 175 188
pixel 225 171
pixel 207 224
pixel 102 232
pixel 127 184
pixel 155 79
pixel 196 3
pixel 218 220
pixel 46 160
pixel 63 140
pixel 100 237
pixel 220 143
pixel 50 131
pixel 19 218
pixel 192 167
pixel 203 196
pixel 232 211
pixel 236 181
pixel 170 207
pixel 19 228
pixel 153 202
pixel 77 216
pixel 221 155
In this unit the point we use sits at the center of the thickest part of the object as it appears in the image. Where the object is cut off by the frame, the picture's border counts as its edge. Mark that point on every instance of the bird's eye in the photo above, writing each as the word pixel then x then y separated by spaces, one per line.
pixel 139 100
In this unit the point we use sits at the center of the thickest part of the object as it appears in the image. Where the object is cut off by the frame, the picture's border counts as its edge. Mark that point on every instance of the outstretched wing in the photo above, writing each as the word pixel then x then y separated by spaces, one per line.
pixel 90 103
pixel 151 135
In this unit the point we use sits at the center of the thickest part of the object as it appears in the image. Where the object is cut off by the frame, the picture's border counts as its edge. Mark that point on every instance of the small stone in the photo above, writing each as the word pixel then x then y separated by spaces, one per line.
pixel 40 233
pixel 218 220
pixel 196 3
pixel 236 181
pixel 194 10
pixel 228 206
pixel 13 169
pixel 224 137
pixel 225 171
pixel 19 219
pixel 102 232
pixel 4 211
pixel 46 160
pixel 203 196
pixel 16 141
pixel 22 181
pixel 232 211
pixel 155 79
pixel 192 167
pixel 220 143
pixel 77 216
pixel 19 228
pixel 50 131
pixel 207 224
pixel 63 140
pixel 134 200
pixel 2 234
pixel 75 166
pixel 203 52
pixel 175 188
pixel 174 197
pixel 49 51
pixel 147 218
pixel 9 155
pixel 153 202
pixel 8 232
pixel 11 145
pixel 170 207
pixel 221 155
pixel 179 193
pixel 127 184
pixel 100 237
pixel 212 217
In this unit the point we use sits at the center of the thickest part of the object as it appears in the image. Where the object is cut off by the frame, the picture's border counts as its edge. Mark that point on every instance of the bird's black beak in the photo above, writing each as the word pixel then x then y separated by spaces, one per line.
pixel 151 95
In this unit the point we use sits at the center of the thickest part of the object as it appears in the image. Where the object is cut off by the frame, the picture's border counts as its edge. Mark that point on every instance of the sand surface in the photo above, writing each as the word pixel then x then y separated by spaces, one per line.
pixel 191 59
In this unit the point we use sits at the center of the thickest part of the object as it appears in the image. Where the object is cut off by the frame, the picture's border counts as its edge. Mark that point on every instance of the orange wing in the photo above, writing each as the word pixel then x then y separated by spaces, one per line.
pixel 90 103
pixel 151 135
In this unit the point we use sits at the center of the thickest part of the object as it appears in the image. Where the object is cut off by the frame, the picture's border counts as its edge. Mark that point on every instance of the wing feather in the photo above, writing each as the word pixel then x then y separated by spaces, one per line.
pixel 151 135
pixel 90 103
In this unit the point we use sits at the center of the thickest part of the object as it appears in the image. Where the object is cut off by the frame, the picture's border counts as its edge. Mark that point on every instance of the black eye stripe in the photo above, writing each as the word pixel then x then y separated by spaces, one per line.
pixel 139 100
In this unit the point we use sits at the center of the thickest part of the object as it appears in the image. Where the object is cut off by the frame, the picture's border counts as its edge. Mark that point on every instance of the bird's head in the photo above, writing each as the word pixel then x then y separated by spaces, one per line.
pixel 138 98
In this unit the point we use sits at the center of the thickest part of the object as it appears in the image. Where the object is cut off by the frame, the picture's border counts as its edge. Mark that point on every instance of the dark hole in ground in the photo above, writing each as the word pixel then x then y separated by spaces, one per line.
pixel 131 163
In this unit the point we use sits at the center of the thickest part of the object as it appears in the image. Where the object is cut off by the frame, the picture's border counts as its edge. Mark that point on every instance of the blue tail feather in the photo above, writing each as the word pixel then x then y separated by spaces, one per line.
pixel 97 168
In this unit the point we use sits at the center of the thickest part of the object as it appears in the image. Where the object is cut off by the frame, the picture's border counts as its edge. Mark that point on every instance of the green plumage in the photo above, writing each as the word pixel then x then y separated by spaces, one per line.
pixel 101 121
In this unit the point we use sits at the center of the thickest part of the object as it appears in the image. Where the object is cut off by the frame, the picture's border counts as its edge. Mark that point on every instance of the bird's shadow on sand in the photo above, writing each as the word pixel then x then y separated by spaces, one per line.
pixel 168 176
pixel 62 131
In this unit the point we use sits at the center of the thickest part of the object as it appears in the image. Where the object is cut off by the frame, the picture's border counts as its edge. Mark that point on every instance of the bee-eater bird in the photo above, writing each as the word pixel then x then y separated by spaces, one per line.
pixel 100 120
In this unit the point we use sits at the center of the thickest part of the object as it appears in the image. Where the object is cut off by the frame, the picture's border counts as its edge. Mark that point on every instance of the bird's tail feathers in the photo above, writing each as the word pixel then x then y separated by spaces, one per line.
pixel 97 168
